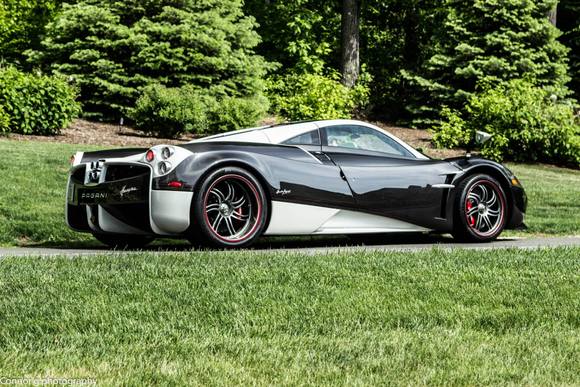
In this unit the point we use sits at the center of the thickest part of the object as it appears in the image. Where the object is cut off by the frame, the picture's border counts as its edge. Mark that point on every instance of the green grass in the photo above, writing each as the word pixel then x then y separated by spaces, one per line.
pixel 554 198
pixel 33 179
pixel 239 318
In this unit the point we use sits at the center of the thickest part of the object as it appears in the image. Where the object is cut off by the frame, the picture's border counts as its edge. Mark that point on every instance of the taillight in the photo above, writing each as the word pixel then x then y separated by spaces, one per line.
pixel 150 155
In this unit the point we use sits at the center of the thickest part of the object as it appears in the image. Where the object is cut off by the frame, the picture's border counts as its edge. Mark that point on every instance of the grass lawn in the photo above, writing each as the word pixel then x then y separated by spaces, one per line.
pixel 33 176
pixel 240 318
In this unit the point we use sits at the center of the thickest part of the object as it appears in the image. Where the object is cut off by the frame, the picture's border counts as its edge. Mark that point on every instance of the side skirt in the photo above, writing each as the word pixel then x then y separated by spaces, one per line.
pixel 301 219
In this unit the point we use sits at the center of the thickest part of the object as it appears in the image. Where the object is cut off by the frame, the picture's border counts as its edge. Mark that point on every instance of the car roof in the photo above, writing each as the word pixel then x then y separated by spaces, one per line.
pixel 281 132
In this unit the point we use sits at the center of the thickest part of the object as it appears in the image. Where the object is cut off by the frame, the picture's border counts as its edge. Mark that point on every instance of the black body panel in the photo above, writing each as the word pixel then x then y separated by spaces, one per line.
pixel 396 187
pixel 417 191
pixel 290 174
pixel 111 153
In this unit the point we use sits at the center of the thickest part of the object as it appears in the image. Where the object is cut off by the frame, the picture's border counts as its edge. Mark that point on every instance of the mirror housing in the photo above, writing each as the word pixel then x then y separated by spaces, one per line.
pixel 482 137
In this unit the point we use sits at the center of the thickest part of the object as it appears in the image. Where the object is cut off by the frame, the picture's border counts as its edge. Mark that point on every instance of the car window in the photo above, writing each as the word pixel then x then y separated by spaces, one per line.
pixel 364 138
pixel 310 138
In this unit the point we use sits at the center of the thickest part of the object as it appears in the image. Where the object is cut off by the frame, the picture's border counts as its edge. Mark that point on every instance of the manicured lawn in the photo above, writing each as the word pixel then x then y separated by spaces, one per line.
pixel 33 179
pixel 241 318
pixel 554 198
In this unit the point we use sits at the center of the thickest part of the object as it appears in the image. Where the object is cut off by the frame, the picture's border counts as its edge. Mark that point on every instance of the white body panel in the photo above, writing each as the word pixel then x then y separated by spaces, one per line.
pixel 302 219
pixel 297 219
pixel 109 223
pixel 170 211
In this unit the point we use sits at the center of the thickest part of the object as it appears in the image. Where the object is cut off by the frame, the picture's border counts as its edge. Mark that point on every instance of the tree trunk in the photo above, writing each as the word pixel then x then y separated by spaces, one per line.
pixel 553 15
pixel 350 42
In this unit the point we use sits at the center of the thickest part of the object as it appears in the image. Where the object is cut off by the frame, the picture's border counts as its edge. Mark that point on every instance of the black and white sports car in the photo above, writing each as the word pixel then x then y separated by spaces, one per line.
pixel 307 178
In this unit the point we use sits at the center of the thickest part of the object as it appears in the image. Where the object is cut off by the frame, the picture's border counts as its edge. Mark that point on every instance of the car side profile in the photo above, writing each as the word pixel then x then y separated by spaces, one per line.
pixel 307 178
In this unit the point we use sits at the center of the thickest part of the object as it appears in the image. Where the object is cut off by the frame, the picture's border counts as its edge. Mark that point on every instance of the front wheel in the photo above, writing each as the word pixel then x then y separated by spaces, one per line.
pixel 229 209
pixel 481 209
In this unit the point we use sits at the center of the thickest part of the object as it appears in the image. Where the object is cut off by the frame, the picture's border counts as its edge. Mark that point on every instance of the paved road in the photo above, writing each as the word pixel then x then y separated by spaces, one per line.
pixel 322 245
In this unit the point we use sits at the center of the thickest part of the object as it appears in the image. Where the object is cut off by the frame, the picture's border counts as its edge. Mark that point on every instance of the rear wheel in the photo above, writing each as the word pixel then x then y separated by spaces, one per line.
pixel 123 241
pixel 481 209
pixel 229 210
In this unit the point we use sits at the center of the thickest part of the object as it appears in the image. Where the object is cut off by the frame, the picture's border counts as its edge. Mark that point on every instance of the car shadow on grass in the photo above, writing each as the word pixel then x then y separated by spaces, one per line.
pixel 276 243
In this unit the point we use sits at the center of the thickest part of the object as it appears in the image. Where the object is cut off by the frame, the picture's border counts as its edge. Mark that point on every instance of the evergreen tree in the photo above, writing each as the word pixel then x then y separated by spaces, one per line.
pixel 488 42
pixel 22 25
pixel 569 23
pixel 113 49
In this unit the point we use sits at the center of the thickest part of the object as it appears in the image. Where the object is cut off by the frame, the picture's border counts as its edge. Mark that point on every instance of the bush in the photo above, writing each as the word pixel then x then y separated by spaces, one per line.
pixel 4 121
pixel 527 124
pixel 36 103
pixel 113 49
pixel 170 112
pixel 311 96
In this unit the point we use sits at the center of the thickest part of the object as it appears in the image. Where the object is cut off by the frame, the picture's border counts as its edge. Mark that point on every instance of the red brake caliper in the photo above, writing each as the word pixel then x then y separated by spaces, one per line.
pixel 468 207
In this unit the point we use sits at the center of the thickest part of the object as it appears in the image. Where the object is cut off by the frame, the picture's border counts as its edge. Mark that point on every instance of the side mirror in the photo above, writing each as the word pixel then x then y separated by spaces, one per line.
pixel 481 137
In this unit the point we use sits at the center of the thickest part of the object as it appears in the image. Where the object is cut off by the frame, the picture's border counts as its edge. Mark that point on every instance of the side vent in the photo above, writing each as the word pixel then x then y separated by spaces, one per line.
pixel 444 197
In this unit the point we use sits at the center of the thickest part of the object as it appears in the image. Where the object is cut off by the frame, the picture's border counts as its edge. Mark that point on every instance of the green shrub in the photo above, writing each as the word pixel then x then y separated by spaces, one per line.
pixel 311 96
pixel 527 124
pixel 230 113
pixel 4 121
pixel 170 112
pixel 35 103
pixel 113 49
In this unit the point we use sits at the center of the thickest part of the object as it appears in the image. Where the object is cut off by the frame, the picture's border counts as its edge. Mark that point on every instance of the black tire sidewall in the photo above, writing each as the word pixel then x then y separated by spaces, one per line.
pixel 200 231
pixel 461 229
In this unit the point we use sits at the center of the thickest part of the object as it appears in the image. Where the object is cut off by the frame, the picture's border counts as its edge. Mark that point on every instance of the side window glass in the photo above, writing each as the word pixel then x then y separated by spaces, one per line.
pixel 363 138
pixel 310 138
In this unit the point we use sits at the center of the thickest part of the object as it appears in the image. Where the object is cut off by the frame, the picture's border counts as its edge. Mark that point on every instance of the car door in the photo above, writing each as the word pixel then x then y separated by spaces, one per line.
pixel 386 178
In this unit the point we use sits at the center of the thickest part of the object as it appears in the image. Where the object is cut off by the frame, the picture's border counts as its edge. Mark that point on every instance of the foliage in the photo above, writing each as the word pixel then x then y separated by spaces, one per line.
pixel 22 24
pixel 568 22
pixel 527 123
pixel 491 42
pixel 170 112
pixel 4 121
pixel 310 96
pixel 114 49
pixel 36 103
pixel 302 35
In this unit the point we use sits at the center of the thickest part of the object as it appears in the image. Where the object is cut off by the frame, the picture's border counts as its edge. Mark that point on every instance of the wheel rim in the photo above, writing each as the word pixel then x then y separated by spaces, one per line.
pixel 485 208
pixel 232 208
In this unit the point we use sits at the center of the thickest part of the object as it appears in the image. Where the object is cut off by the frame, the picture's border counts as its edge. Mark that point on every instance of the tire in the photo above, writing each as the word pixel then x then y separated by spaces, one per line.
pixel 122 242
pixel 229 210
pixel 480 209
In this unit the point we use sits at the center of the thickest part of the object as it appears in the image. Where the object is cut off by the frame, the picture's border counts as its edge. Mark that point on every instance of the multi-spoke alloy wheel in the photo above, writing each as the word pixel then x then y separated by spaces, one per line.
pixel 482 209
pixel 230 208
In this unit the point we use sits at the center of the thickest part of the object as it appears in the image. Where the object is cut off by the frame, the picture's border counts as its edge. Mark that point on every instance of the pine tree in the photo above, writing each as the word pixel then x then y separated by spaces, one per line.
pixel 113 49
pixel 488 42
pixel 569 23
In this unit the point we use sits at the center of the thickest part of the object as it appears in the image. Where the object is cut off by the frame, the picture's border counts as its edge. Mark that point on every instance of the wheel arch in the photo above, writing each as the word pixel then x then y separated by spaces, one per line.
pixel 494 172
pixel 243 165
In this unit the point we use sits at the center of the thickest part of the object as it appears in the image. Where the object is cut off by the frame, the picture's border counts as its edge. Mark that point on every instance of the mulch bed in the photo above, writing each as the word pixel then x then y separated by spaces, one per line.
pixel 111 135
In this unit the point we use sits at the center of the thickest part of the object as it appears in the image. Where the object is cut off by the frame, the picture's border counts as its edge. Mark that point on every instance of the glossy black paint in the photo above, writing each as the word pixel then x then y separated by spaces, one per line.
pixel 396 187
pixel 111 153
pixel 407 189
